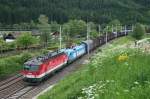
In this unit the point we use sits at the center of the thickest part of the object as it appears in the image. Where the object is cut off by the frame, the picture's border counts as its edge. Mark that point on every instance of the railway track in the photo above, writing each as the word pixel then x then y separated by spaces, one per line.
pixel 6 83
pixel 19 93
pixel 14 88
pixel 10 86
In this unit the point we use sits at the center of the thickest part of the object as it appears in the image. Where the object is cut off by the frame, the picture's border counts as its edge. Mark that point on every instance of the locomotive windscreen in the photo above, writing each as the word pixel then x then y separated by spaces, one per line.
pixel 31 68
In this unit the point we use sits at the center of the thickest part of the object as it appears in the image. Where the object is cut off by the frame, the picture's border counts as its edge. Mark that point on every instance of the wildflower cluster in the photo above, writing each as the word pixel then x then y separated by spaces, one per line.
pixel 93 91
pixel 123 57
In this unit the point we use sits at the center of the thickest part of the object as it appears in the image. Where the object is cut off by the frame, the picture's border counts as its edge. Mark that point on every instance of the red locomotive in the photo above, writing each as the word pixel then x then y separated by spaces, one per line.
pixel 38 68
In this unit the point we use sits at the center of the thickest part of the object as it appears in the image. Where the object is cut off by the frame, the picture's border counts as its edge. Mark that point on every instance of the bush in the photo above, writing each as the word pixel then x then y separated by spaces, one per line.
pixel 24 57
pixel 25 40
pixel 9 65
pixel 44 51
pixel 13 64
pixel 138 32
pixel 53 48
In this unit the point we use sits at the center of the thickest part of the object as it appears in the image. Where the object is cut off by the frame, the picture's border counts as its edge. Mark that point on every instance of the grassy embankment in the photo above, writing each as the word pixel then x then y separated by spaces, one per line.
pixel 120 71
pixel 13 64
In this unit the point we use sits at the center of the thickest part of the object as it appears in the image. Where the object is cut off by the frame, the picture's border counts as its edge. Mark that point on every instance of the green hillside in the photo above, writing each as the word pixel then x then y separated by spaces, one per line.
pixel 99 11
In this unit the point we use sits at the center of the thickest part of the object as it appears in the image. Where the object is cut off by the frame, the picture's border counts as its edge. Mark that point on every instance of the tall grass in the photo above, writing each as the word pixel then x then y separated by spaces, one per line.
pixel 106 77
pixel 13 64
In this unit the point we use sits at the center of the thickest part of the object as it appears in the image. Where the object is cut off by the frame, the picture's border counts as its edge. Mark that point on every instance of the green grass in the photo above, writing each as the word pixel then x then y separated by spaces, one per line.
pixel 122 40
pixel 147 36
pixel 105 77
pixel 13 64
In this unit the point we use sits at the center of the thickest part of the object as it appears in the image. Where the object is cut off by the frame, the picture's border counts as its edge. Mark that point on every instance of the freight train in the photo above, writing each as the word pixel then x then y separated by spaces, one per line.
pixel 38 68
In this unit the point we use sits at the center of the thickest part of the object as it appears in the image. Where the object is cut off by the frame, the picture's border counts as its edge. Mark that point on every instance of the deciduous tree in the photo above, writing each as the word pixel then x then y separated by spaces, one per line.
pixel 138 32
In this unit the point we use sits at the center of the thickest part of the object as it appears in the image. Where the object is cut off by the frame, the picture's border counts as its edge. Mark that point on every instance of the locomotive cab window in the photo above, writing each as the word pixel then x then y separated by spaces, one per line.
pixel 26 68
pixel 34 68
pixel 31 68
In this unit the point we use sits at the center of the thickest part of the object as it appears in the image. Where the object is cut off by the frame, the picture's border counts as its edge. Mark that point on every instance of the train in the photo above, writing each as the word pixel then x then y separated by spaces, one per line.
pixel 38 68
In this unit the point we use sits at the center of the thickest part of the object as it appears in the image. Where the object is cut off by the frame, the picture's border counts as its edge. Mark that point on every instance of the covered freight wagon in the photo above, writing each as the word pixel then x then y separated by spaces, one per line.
pixel 89 45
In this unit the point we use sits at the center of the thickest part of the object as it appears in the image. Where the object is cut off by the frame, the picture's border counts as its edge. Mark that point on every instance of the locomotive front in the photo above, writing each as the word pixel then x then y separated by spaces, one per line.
pixel 31 70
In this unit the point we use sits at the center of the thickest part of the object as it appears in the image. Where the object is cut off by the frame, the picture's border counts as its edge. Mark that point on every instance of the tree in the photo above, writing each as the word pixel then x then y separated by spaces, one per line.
pixel 99 11
pixel 25 25
pixel 2 44
pixel 25 40
pixel 138 31
pixel 16 26
pixel 75 27
pixel 93 30
pixel 45 29
pixel 115 24
pixel 54 26
pixel 33 25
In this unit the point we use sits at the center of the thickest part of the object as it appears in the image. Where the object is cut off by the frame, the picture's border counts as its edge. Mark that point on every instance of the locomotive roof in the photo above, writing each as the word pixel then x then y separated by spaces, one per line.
pixel 40 59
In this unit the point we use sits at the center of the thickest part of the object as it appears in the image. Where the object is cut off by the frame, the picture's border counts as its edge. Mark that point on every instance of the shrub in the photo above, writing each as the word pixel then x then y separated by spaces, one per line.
pixel 13 64
pixel 44 51
pixel 25 40
pixel 138 32
pixel 24 57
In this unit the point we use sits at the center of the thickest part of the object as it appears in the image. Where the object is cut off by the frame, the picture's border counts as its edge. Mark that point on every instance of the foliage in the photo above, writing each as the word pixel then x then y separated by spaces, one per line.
pixel 44 28
pixel 113 25
pixel 25 40
pixel 54 26
pixel 75 27
pixel 2 42
pixel 6 46
pixel 44 51
pixel 94 34
pixel 138 32
pixel 24 57
pixel 13 64
pixel 99 11
pixel 93 29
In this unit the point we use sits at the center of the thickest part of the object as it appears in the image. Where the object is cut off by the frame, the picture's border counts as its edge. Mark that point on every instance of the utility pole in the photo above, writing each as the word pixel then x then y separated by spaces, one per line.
pixel 116 30
pixel 99 29
pixel 88 31
pixel 121 28
pixel 132 28
pixel 112 29
pixel 106 33
pixel 60 38
pixel 125 27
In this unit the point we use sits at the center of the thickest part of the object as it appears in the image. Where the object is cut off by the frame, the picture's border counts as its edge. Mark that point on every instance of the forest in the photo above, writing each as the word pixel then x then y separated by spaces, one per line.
pixel 61 11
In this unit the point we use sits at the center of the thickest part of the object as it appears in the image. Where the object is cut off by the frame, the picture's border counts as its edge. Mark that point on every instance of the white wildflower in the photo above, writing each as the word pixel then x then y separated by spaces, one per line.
pixel 136 82
pixel 117 93
pixel 126 63
pixel 126 90
pixel 80 98
pixel 112 81
pixel 107 81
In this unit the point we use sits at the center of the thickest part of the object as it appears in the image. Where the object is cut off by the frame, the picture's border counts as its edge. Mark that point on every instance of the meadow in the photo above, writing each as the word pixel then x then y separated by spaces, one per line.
pixel 118 71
